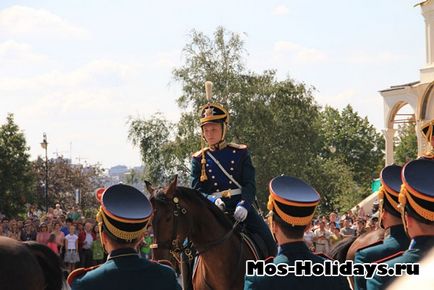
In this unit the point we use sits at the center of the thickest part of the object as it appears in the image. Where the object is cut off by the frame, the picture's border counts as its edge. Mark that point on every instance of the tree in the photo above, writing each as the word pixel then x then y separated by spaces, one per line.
pixel 406 150
pixel 354 141
pixel 65 179
pixel 16 178
pixel 279 120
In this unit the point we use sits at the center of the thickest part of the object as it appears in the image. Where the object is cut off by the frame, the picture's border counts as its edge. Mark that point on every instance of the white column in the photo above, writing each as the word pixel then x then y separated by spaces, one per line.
pixel 427 72
pixel 389 134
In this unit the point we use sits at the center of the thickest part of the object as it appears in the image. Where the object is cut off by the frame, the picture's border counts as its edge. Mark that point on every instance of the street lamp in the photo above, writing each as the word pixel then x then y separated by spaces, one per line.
pixel 44 145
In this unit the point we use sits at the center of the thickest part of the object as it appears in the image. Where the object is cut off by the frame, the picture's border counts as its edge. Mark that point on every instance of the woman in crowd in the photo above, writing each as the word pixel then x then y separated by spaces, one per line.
pixel 43 234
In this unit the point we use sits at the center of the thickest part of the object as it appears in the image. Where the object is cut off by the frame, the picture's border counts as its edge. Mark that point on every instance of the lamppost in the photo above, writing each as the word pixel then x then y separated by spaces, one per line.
pixel 44 145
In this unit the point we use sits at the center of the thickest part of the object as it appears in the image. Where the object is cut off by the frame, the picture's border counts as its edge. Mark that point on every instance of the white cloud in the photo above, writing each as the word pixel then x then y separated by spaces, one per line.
pixel 12 52
pixel 22 20
pixel 280 10
pixel 285 50
pixel 375 58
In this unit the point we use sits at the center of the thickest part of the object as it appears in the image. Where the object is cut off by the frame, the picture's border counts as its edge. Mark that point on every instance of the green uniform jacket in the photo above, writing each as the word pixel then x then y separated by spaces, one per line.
pixel 397 241
pixel 288 254
pixel 125 270
pixel 419 247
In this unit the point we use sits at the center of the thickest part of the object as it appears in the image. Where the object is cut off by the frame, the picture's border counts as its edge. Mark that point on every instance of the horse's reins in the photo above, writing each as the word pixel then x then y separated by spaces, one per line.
pixel 175 247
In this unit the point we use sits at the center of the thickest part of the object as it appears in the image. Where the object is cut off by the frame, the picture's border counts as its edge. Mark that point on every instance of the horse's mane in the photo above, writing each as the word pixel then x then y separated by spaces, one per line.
pixel 194 196
pixel 340 250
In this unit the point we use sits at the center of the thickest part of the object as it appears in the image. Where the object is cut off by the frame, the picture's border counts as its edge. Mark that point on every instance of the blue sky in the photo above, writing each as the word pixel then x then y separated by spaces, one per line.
pixel 78 69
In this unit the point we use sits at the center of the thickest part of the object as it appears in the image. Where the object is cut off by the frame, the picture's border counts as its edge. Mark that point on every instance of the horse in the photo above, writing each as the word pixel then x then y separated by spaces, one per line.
pixel 182 213
pixel 347 248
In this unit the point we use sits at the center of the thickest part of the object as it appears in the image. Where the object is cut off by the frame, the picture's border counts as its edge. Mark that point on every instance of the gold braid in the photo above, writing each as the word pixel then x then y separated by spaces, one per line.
pixel 405 196
pixel 128 236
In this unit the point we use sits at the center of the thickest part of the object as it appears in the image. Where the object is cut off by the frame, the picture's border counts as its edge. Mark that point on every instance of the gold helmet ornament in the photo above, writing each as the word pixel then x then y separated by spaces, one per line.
pixel 212 113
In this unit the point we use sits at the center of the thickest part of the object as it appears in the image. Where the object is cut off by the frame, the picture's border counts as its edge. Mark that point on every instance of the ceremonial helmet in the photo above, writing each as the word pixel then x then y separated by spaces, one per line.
pixel 213 112
pixel 417 191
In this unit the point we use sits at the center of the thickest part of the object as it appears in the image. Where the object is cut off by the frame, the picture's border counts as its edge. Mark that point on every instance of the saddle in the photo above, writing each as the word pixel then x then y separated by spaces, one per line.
pixel 255 242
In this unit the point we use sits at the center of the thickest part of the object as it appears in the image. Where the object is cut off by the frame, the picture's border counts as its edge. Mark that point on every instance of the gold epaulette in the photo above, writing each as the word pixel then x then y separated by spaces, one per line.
pixel 237 146
pixel 197 154
pixel 78 273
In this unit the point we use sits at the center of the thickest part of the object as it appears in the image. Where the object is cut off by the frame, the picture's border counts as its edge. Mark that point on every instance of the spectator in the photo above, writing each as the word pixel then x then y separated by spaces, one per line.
pixel 361 229
pixel 60 237
pixel 51 243
pixel 373 223
pixel 28 233
pixel 335 236
pixel 321 238
pixel 347 231
pixel 65 228
pixel 308 238
pixel 43 235
pixel 333 216
pixel 73 214
pixel 85 240
pixel 5 226
pixel 1 232
pixel 97 249
pixel 145 249
pixel 57 211
pixel 14 231
pixel 71 249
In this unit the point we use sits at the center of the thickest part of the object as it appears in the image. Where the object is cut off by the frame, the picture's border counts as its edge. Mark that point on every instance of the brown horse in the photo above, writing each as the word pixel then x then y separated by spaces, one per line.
pixel 181 213
pixel 347 249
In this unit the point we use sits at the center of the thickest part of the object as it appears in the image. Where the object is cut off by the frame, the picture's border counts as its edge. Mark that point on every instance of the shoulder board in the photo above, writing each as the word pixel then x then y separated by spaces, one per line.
pixel 322 255
pixel 78 273
pixel 237 146
pixel 198 153
pixel 370 245
pixel 390 257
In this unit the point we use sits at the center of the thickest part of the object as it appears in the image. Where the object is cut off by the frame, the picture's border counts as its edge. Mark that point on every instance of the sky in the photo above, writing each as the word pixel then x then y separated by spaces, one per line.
pixel 78 70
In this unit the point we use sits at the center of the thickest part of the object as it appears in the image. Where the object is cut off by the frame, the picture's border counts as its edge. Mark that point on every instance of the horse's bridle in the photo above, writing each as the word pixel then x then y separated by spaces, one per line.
pixel 177 247
pixel 174 245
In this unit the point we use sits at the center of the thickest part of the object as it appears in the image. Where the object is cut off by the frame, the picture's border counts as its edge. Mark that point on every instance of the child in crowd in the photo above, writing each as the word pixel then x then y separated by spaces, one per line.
pixel 71 249
pixel 97 249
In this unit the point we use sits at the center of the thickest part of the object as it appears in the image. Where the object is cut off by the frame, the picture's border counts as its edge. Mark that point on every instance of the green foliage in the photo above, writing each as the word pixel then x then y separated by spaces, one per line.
pixel 16 178
pixel 356 142
pixel 406 150
pixel 64 179
pixel 279 120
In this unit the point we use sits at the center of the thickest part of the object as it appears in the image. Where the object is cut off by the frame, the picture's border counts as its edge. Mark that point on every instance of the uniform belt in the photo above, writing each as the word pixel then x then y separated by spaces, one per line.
pixel 226 193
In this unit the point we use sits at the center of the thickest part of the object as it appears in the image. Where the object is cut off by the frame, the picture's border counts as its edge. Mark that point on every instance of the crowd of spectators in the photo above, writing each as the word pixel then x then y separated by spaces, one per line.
pixel 327 231
pixel 74 238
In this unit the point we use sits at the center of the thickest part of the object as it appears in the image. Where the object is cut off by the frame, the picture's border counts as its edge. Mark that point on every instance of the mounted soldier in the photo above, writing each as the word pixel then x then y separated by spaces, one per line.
pixel 224 172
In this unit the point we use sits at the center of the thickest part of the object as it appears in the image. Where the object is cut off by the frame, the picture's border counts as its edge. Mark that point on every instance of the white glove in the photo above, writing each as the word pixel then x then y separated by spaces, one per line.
pixel 240 213
pixel 220 204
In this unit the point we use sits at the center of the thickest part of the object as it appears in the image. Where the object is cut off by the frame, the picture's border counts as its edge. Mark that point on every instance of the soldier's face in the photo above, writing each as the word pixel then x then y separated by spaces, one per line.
pixel 212 133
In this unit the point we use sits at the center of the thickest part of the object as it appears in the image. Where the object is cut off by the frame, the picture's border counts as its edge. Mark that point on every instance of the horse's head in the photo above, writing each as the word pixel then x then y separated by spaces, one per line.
pixel 170 221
